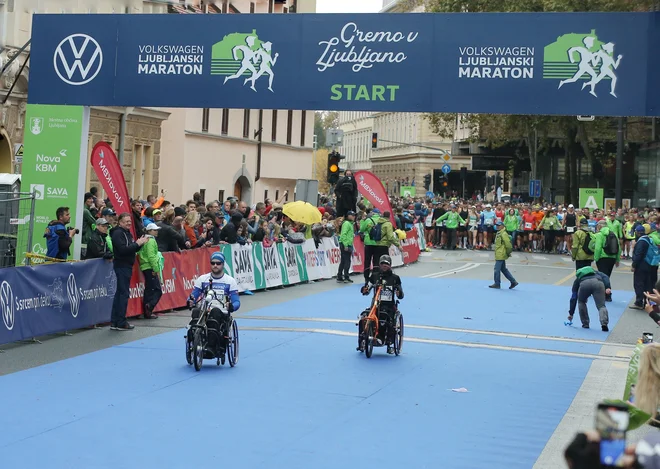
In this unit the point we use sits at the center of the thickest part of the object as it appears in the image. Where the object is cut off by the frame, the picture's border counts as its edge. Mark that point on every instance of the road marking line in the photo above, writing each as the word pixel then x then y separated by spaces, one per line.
pixel 448 342
pixel 539 258
pixel 565 279
pixel 448 272
pixel 448 329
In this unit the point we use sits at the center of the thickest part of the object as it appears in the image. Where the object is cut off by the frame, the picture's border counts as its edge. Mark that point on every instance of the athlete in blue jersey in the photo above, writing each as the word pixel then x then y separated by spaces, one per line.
pixel 218 281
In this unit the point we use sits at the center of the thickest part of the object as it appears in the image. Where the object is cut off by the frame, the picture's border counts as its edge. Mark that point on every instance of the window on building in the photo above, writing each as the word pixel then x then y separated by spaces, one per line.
pixel 289 127
pixel 274 129
pixel 270 6
pixel 205 119
pixel 277 195
pixel 141 171
pixel 303 119
pixel 202 192
pixel 221 196
pixel 225 121
pixel 246 123
pixel 251 7
pixel 265 195
pixel 286 196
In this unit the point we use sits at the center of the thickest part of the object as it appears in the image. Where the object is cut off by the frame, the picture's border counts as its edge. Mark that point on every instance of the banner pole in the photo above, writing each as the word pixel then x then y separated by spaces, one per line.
pixel 82 177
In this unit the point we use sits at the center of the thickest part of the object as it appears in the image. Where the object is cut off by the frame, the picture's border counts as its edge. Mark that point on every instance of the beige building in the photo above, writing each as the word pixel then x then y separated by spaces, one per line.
pixel 358 128
pixel 213 151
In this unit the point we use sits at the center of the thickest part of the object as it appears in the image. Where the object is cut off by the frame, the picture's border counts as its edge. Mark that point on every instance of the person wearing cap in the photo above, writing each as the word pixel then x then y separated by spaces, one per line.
pixel 582 238
pixel 392 286
pixel 453 219
pixel 370 246
pixel 110 215
pixel 488 223
pixel 606 253
pixel 346 247
pixel 97 246
pixel 217 280
pixel 503 250
pixel 151 265
pixel 644 266
pixel 588 283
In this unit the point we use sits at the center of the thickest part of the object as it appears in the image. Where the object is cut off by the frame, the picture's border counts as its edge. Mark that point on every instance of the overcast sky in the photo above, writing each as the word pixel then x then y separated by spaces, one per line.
pixel 348 6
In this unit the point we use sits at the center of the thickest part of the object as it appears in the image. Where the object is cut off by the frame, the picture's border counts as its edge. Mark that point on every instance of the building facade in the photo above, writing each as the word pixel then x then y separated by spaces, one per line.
pixel 358 128
pixel 218 152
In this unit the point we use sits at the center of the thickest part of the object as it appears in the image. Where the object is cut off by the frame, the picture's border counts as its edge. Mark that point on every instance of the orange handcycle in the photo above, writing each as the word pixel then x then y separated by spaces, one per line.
pixel 374 326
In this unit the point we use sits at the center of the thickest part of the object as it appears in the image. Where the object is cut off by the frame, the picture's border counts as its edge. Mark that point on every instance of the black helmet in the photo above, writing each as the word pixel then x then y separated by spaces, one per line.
pixel 385 259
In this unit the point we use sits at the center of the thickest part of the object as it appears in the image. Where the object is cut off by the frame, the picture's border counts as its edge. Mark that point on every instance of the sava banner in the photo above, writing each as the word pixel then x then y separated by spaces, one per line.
pixel 108 170
pixel 372 189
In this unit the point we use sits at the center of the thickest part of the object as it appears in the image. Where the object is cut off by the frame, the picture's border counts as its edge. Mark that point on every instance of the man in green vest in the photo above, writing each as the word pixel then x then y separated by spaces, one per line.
pixel 503 250
pixel 581 257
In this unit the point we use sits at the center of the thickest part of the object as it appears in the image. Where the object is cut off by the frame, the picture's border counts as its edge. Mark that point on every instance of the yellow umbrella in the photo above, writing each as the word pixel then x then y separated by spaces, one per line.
pixel 302 212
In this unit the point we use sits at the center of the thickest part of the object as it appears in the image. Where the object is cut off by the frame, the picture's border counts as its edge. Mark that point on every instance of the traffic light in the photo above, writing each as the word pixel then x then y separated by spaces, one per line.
pixel 333 167
pixel 463 173
pixel 444 182
pixel 374 140
pixel 427 181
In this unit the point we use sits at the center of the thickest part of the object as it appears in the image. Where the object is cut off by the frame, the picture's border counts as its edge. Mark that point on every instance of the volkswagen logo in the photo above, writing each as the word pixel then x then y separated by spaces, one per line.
pixel 73 294
pixel 78 59
pixel 7 304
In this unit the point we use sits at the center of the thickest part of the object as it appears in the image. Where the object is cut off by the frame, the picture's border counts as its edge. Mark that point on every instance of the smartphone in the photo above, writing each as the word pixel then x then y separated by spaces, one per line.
pixel 612 423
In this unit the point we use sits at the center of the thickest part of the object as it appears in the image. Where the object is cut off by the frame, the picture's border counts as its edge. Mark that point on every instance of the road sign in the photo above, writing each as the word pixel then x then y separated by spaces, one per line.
pixel 586 118
pixel 18 153
pixel 591 198
pixel 334 137
pixel 535 188
pixel 446 169
pixel 429 194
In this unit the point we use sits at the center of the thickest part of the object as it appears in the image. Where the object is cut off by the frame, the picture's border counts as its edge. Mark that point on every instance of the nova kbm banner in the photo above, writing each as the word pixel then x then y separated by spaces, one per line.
pixel 510 63
pixel 53 145
pixel 372 189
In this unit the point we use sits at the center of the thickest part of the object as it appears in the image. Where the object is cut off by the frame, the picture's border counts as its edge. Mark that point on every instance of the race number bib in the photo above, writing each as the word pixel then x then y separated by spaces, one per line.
pixel 499 219
pixel 528 226
pixel 489 221
pixel 429 220
pixel 386 295
pixel 570 229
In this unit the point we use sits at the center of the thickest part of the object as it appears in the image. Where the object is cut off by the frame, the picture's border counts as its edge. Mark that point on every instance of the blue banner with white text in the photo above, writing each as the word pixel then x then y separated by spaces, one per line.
pixel 46 299
pixel 507 63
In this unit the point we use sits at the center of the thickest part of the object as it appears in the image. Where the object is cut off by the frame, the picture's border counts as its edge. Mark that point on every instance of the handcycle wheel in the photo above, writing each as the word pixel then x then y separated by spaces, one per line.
pixel 198 349
pixel 398 335
pixel 369 334
pixel 232 344
pixel 189 348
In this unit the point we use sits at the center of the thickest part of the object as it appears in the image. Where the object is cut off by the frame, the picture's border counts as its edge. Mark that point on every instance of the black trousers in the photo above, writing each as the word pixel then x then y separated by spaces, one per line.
pixel 580 264
pixel 152 291
pixel 606 265
pixel 643 281
pixel 372 253
pixel 120 302
pixel 451 238
pixel 344 262
pixel 549 237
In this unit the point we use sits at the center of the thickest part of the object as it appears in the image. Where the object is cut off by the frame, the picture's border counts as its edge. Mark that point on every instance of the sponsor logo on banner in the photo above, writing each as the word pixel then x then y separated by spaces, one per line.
pixel 496 62
pixel 7 304
pixel 584 58
pixel 78 59
pixel 259 271
pixel 272 268
pixel 38 190
pixel 170 60
pixel 244 57
pixel 243 266
pixel 72 293
pixel 36 125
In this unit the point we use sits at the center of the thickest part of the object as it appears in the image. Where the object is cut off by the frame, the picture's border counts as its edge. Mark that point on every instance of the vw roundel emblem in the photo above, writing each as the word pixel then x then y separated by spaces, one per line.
pixel 78 59
pixel 73 294
pixel 7 305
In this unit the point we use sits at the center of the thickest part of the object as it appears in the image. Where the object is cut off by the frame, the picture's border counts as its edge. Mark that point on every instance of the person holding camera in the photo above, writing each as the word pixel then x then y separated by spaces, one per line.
pixel 58 236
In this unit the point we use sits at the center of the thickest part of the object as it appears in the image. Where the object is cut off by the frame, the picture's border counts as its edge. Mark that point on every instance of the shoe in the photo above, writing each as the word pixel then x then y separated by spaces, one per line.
pixel 390 350
pixel 114 328
pixel 125 327
pixel 513 285
pixel 495 286
pixel 636 306
pixel 340 280
pixel 348 280
pixel 605 328
pixel 585 326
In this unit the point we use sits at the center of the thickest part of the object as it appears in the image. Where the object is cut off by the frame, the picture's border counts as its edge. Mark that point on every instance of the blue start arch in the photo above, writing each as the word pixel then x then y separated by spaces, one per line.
pixel 522 63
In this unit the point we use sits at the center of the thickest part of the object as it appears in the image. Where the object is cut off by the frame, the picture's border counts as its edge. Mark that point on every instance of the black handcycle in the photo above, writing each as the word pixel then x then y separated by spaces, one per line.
pixel 212 331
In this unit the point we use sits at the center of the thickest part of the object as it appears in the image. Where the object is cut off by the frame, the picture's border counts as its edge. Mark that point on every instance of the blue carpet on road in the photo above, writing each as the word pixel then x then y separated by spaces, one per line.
pixel 295 400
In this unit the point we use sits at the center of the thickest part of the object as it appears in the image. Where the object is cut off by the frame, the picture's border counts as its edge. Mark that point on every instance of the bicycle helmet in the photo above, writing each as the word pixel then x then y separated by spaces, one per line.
pixel 385 259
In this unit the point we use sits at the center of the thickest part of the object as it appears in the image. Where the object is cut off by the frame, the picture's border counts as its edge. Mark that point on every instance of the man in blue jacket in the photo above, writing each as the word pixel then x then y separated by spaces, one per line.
pixel 588 283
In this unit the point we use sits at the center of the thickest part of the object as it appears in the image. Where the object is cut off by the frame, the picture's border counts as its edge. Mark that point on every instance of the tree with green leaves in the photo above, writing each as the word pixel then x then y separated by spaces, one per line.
pixel 497 130
pixel 322 122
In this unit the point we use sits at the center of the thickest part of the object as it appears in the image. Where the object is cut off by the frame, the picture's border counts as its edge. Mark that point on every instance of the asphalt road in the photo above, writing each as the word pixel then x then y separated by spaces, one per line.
pixel 468 318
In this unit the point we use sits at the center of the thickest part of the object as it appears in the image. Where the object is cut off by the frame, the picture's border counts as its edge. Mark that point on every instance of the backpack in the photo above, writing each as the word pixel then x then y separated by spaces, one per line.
pixel 53 240
pixel 376 232
pixel 611 246
pixel 652 254
pixel 587 245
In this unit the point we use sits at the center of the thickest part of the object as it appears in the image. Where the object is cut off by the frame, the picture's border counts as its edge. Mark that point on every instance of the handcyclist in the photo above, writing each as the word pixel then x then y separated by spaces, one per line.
pixel 392 286
pixel 218 281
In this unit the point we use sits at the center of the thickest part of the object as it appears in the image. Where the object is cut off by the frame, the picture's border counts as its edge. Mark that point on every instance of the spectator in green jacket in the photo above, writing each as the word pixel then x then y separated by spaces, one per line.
pixel 581 258
pixel 150 266
pixel 605 261
pixel 453 219
pixel 503 250
pixel 367 227
pixel 346 247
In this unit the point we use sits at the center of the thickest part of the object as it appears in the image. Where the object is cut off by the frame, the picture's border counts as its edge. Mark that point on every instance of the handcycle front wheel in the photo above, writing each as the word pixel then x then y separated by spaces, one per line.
pixel 398 335
pixel 189 348
pixel 232 344
pixel 369 336
pixel 198 349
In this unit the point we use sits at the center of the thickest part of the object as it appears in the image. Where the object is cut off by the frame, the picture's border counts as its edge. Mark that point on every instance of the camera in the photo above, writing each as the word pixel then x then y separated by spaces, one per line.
pixel 72 228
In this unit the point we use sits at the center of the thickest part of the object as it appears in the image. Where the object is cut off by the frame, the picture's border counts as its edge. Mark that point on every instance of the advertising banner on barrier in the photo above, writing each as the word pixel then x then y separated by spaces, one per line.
pixel 51 169
pixel 46 299
pixel 526 63
pixel 108 170
pixel 52 298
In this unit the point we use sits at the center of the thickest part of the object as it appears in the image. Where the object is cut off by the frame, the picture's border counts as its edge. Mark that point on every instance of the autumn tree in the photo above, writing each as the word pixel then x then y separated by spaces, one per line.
pixel 322 122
